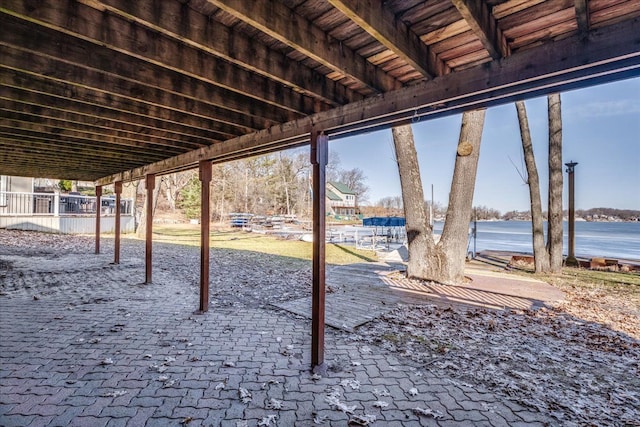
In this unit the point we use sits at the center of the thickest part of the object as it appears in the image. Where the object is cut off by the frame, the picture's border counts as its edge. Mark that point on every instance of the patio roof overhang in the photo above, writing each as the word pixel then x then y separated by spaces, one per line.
pixel 111 90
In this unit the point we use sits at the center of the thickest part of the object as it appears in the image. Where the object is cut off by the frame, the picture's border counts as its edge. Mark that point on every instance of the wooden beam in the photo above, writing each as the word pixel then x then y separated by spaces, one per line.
pixel 319 159
pixel 98 212
pixel 59 57
pixel 91 138
pixel 393 33
pixel 150 184
pixel 607 54
pixel 90 149
pixel 73 123
pixel 283 24
pixel 182 22
pixel 478 15
pixel 118 191
pixel 219 118
pixel 101 105
pixel 205 224
pixel 58 118
pixel 123 36
pixel 61 108
pixel 582 15
pixel 31 146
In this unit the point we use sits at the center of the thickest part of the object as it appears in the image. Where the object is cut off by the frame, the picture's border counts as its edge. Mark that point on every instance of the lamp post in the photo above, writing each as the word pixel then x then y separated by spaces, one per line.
pixel 571 258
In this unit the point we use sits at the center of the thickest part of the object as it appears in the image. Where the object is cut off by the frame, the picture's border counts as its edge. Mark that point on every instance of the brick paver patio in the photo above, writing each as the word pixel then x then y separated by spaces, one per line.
pixel 105 351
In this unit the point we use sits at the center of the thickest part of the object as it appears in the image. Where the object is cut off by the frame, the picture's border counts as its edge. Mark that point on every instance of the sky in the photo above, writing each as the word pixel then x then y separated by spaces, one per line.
pixel 601 131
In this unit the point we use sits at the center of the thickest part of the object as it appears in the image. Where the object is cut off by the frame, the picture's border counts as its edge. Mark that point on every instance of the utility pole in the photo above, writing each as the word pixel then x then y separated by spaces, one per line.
pixel 571 258
pixel 431 208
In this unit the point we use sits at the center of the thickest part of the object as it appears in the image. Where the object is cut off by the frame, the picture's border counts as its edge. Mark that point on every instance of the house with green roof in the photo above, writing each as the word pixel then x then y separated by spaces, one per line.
pixel 341 200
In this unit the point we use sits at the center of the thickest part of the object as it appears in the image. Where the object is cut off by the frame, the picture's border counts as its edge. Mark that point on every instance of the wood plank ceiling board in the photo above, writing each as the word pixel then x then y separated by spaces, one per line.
pixel 113 89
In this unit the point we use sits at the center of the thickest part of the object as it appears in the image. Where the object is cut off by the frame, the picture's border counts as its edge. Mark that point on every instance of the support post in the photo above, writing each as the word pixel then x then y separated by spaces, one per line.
pixel 205 218
pixel 150 183
pixel 571 257
pixel 56 204
pixel 98 211
pixel 118 190
pixel 319 157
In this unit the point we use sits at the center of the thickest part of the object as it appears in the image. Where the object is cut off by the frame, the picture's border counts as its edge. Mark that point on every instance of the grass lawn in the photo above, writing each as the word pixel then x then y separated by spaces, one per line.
pixel 188 234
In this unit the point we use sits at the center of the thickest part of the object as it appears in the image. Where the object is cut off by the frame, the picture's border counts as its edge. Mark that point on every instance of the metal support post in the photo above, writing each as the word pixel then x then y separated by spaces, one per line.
pixel 205 217
pixel 118 190
pixel 98 209
pixel 319 157
pixel 150 183
pixel 571 258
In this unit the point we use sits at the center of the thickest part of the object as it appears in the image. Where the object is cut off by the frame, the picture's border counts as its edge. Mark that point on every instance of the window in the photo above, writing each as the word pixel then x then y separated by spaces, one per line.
pixel 3 188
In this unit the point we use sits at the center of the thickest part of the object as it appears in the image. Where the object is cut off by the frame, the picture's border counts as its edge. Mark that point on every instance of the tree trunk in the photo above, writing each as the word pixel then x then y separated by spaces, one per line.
pixel 142 226
pixel 554 239
pixel 540 254
pixel 455 235
pixel 422 254
pixel 445 261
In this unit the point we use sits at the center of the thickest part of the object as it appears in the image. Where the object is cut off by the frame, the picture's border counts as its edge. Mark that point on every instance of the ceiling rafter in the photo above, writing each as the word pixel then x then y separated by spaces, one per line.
pixel 122 36
pixel 195 29
pixel 283 24
pixel 582 15
pixel 71 148
pixel 100 129
pixel 44 92
pixel 41 114
pixel 64 109
pixel 95 85
pixel 90 134
pixel 393 33
pixel 53 57
pixel 478 15
pixel 60 55
pixel 36 101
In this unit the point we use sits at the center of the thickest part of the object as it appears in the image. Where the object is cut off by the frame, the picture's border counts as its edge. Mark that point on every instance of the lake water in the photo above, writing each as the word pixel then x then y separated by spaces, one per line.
pixel 602 239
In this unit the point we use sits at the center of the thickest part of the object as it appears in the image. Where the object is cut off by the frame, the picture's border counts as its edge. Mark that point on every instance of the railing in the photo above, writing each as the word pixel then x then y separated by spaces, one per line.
pixel 14 203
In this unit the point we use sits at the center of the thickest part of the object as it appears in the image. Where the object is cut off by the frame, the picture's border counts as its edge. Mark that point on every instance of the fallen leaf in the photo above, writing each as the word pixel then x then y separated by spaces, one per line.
pixel 428 412
pixel 116 393
pixel 245 395
pixel 362 420
pixel 274 404
pixel 266 421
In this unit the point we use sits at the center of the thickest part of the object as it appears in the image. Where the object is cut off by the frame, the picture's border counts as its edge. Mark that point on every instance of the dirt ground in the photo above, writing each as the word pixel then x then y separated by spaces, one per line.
pixel 578 362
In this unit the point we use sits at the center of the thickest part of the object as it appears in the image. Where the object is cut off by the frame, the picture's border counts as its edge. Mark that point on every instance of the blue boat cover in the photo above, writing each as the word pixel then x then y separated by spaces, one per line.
pixel 383 221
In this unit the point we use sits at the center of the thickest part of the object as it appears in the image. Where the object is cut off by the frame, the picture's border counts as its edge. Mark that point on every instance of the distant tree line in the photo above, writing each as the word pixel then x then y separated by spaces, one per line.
pixel 392 206
pixel 273 184
pixel 623 214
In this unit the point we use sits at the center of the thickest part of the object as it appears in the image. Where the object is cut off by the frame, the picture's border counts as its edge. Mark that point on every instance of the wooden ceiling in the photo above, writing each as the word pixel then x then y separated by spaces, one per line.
pixel 113 89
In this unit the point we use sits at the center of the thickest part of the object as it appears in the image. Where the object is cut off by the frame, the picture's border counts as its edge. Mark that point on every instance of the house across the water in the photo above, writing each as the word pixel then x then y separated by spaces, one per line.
pixel 341 200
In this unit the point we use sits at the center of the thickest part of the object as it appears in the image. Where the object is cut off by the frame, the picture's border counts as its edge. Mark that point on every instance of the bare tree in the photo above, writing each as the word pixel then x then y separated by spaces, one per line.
pixel 173 183
pixel 549 257
pixel 142 225
pixel 554 242
pixel 422 253
pixel 540 254
pixel 355 179
pixel 442 262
